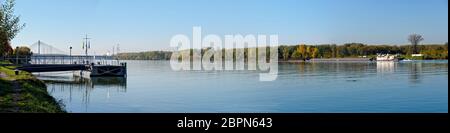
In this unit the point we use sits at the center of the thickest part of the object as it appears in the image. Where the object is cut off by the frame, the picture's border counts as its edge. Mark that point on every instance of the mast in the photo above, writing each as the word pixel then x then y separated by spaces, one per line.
pixel 86 44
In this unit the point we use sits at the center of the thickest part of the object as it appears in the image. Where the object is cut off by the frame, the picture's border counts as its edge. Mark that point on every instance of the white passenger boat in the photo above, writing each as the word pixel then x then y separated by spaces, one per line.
pixel 386 57
pixel 407 60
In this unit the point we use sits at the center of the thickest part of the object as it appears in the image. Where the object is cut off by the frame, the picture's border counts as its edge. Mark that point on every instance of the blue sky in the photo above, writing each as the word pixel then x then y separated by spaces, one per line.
pixel 142 25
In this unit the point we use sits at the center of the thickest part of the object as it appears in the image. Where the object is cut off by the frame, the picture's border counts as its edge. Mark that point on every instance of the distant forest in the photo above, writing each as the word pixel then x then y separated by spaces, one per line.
pixel 151 55
pixel 301 52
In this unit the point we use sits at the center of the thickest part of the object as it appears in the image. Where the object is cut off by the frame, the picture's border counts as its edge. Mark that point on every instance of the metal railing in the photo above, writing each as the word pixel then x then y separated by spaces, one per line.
pixel 58 59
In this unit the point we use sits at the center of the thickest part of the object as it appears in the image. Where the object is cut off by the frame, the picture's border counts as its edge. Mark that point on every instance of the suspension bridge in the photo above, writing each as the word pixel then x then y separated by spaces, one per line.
pixel 46 58
pixel 47 54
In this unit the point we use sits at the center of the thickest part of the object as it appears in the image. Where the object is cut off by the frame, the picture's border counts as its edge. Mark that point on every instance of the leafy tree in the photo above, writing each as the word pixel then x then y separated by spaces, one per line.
pixel 303 50
pixel 334 50
pixel 285 53
pixel 9 26
pixel 315 53
pixel 297 54
pixel 23 54
pixel 22 51
pixel 415 39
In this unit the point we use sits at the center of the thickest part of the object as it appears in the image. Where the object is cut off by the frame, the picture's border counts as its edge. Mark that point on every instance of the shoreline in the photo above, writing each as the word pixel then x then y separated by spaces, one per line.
pixel 24 93
pixel 314 60
pixel 328 60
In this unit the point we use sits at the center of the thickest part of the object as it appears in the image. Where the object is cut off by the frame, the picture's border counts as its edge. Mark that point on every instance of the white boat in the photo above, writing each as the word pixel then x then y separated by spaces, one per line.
pixel 386 57
pixel 407 60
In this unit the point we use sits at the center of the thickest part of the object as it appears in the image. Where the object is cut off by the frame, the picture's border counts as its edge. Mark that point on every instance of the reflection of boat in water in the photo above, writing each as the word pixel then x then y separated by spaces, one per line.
pixel 103 71
pixel 407 60
pixel 102 81
pixel 386 66
pixel 387 57
pixel 121 81
pixel 83 83
pixel 83 87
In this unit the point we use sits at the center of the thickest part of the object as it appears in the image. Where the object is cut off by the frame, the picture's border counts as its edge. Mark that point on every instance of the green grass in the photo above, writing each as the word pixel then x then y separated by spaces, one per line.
pixel 4 62
pixel 6 92
pixel 9 71
pixel 33 96
pixel 411 58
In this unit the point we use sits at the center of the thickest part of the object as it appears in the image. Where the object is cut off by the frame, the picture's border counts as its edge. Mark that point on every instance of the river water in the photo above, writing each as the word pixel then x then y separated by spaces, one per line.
pixel 322 87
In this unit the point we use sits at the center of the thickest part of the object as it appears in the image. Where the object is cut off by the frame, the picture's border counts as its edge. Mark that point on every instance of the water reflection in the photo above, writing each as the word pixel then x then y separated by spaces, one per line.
pixel 348 71
pixel 71 84
pixel 354 71
pixel 417 86
pixel 386 67
pixel 415 70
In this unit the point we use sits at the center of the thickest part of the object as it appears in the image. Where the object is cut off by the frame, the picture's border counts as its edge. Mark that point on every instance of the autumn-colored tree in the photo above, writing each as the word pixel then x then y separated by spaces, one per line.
pixel 303 51
pixel 285 53
pixel 297 54
pixel 9 26
pixel 315 52
pixel 308 52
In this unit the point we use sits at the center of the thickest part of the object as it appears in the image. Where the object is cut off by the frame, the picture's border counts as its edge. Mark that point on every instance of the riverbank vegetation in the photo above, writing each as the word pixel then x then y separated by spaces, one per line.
pixel 151 55
pixel 20 92
pixel 350 50
pixel 23 93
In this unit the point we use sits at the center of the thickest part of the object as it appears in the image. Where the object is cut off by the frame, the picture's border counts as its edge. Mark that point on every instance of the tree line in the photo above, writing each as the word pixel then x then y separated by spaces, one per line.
pixel 306 52
pixel 151 55
pixel 10 26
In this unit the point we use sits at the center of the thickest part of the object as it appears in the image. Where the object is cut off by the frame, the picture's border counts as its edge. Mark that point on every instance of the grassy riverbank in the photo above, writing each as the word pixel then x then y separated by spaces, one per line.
pixel 24 93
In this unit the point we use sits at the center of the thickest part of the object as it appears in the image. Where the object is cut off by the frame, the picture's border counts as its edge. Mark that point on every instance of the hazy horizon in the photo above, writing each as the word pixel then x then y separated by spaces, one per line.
pixel 142 25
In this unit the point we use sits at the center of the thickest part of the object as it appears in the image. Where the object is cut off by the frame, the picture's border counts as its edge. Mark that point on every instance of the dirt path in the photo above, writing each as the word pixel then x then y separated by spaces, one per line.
pixel 16 89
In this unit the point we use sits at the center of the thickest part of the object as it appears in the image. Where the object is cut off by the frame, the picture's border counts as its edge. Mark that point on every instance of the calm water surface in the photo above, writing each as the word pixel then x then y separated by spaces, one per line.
pixel 151 86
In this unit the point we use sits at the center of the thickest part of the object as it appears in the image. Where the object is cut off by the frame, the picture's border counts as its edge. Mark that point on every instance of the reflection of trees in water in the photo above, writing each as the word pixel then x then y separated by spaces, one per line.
pixel 415 72
pixel 85 85
pixel 350 71
pixel 353 71
pixel 414 68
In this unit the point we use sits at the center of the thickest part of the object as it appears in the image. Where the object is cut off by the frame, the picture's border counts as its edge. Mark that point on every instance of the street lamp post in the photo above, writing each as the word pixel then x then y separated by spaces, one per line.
pixel 17 55
pixel 70 54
